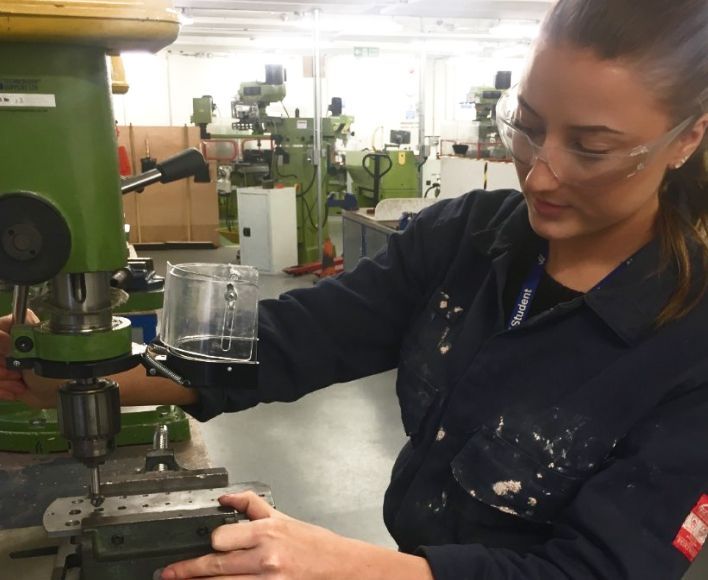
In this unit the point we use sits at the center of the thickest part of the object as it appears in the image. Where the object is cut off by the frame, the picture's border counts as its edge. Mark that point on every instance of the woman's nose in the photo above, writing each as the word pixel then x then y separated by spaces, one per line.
pixel 540 177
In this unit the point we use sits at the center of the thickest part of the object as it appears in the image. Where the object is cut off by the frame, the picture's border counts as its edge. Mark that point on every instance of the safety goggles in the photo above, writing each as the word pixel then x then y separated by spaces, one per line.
pixel 573 166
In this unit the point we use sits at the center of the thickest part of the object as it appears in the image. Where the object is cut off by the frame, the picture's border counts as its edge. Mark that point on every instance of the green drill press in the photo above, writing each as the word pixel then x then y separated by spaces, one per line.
pixel 61 225
pixel 64 224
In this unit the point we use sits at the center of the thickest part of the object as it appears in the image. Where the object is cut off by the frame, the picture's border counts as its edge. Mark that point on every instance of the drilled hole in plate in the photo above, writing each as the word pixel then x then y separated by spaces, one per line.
pixel 167 503
pixel 75 501
pixel 72 523
pixel 99 509
pixel 146 505
pixel 121 507
pixel 74 512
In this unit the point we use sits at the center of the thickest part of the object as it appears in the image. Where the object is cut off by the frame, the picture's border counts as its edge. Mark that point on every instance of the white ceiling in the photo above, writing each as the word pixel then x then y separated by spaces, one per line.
pixel 517 9
pixel 440 26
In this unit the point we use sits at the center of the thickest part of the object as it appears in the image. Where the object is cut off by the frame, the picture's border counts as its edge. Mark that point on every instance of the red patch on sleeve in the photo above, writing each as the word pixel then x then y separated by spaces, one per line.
pixel 693 532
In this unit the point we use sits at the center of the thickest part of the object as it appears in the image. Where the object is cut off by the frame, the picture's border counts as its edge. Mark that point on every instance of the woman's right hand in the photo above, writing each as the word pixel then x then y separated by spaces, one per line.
pixel 12 387
pixel 41 392
pixel 25 387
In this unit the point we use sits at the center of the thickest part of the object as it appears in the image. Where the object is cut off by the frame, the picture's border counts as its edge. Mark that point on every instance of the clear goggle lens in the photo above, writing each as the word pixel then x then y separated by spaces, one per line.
pixel 569 165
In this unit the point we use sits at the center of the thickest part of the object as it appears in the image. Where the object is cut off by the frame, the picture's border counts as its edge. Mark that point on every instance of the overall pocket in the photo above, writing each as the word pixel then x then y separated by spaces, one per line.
pixel 500 474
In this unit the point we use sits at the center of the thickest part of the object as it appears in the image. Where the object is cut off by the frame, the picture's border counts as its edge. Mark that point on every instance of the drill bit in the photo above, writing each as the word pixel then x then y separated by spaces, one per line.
pixel 95 487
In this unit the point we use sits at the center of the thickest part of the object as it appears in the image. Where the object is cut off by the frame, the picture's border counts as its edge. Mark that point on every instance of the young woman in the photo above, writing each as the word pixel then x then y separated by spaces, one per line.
pixel 550 344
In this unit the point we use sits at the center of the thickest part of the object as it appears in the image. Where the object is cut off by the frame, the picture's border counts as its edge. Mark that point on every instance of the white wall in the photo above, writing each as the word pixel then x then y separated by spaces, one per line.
pixel 147 102
pixel 380 92
pixel 162 86
pixel 453 78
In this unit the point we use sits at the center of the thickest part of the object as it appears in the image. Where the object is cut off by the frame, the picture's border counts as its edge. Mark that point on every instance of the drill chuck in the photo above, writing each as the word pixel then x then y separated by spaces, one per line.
pixel 89 418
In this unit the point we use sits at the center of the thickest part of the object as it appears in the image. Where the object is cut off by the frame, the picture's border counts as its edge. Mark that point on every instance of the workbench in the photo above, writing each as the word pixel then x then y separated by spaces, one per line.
pixel 29 483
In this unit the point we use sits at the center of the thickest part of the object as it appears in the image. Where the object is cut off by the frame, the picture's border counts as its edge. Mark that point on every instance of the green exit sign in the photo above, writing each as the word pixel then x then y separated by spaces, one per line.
pixel 366 51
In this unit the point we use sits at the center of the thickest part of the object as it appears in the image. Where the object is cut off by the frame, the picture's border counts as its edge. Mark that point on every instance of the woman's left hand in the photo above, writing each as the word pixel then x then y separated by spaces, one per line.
pixel 275 546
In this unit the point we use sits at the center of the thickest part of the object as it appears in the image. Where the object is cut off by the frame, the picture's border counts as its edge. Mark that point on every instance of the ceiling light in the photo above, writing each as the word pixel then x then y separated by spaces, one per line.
pixel 352 24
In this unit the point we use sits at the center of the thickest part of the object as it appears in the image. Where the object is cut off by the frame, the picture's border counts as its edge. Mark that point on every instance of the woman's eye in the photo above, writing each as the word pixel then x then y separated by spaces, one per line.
pixel 592 150
pixel 530 131
pixel 526 128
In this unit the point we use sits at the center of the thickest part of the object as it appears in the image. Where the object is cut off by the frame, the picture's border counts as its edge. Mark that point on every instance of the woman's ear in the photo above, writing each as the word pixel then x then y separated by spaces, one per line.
pixel 690 141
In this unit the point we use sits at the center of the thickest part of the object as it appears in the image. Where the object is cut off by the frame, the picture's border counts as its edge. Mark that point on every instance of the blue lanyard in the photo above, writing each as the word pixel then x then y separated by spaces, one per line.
pixel 522 307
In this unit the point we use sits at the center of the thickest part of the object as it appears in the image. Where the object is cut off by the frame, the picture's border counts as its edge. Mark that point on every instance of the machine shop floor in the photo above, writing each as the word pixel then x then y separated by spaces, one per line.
pixel 326 457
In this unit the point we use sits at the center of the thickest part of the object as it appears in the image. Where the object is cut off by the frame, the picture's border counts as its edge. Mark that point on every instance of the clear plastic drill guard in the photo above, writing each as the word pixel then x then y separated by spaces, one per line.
pixel 210 311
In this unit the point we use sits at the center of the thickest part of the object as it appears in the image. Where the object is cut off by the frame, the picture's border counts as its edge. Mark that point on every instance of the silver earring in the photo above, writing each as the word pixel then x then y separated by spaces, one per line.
pixel 681 163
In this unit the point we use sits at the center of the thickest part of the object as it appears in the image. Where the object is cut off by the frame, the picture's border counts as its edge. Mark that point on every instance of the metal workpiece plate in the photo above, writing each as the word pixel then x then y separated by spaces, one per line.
pixel 68 515
pixel 162 481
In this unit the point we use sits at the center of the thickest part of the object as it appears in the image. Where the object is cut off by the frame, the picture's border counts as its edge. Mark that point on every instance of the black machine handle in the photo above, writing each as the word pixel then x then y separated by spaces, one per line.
pixel 377 175
pixel 188 163
pixel 377 157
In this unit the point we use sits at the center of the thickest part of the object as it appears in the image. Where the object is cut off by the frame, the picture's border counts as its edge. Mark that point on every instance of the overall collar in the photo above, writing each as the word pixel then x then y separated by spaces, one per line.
pixel 629 303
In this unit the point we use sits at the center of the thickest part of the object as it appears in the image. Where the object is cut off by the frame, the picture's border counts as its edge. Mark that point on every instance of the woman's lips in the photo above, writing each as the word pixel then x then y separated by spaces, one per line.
pixel 548 209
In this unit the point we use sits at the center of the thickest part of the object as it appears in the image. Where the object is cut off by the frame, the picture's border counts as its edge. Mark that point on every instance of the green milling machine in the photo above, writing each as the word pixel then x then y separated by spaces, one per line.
pixel 290 159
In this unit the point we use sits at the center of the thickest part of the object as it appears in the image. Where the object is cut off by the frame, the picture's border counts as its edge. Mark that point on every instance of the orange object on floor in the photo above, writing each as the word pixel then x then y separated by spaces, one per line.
pixel 328 259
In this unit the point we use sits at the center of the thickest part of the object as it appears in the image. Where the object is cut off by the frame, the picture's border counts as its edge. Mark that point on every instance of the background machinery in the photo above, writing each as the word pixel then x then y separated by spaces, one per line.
pixel 489 145
pixel 284 152
pixel 379 175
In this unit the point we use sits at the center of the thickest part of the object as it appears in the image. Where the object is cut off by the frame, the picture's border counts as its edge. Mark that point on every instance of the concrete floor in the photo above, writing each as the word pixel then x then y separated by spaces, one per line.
pixel 328 456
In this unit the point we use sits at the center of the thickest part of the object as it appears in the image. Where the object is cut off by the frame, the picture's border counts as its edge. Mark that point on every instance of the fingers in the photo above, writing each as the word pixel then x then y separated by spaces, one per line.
pixel 5 347
pixel 11 383
pixel 31 318
pixel 12 389
pixel 9 375
pixel 254 506
pixel 5 323
pixel 234 537
pixel 240 563
pixel 8 396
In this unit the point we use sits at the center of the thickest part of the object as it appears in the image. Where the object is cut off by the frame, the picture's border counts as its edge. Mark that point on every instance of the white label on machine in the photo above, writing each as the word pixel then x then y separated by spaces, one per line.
pixel 302 124
pixel 31 100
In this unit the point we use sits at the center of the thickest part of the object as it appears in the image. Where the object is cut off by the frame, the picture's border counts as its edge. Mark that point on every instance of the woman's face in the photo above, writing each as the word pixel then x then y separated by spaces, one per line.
pixel 577 101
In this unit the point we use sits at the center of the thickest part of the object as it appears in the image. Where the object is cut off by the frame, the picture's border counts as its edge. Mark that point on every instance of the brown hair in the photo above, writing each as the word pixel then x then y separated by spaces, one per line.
pixel 667 40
